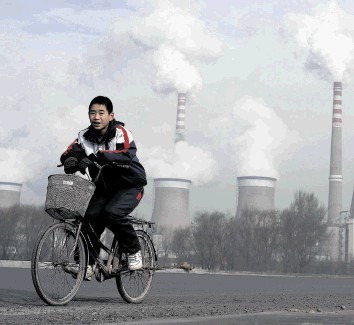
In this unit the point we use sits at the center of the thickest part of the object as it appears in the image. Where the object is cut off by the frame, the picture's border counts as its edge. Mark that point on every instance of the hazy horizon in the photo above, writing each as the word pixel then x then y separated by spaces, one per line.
pixel 258 77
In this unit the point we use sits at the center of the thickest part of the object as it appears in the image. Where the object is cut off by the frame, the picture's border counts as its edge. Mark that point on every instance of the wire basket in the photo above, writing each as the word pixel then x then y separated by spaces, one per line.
pixel 68 196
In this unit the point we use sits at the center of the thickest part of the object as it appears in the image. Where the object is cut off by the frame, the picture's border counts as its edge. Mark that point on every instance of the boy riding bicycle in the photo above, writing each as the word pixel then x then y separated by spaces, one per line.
pixel 120 189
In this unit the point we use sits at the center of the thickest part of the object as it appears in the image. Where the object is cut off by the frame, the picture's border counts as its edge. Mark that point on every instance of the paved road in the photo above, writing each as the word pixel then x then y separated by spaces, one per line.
pixel 188 299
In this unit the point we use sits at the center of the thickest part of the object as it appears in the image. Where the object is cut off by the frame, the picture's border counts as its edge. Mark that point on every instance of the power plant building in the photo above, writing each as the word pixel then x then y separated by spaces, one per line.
pixel 349 234
pixel 171 195
pixel 255 192
pixel 10 194
pixel 171 203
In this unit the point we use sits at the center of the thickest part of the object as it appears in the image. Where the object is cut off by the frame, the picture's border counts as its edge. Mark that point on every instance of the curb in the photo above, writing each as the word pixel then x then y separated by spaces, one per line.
pixel 15 264
pixel 27 265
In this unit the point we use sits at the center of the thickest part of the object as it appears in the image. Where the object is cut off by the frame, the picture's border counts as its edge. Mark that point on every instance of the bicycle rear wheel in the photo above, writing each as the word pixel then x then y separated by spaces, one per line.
pixel 57 268
pixel 134 286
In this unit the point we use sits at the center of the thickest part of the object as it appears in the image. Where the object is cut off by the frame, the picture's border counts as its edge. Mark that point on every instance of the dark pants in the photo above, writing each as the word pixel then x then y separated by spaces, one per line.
pixel 111 210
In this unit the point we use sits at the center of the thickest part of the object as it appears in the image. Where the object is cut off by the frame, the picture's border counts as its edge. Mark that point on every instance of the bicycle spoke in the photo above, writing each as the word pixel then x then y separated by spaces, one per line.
pixel 134 285
pixel 53 265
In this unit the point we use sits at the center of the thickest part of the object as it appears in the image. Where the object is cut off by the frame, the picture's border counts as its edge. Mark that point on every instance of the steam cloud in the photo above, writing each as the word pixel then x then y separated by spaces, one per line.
pixel 174 71
pixel 184 161
pixel 261 140
pixel 328 35
pixel 262 135
pixel 177 38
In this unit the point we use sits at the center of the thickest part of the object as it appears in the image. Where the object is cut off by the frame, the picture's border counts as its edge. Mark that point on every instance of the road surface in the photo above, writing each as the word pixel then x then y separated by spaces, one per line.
pixel 187 298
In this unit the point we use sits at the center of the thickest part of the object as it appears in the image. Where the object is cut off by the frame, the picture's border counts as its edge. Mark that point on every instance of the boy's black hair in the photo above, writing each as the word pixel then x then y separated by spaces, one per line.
pixel 102 100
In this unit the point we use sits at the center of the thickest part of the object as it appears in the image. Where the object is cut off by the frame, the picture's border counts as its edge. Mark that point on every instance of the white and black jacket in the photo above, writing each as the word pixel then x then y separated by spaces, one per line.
pixel 117 145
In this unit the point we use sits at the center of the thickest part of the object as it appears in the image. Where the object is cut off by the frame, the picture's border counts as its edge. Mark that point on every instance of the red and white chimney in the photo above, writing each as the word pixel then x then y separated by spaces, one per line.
pixel 181 117
pixel 335 177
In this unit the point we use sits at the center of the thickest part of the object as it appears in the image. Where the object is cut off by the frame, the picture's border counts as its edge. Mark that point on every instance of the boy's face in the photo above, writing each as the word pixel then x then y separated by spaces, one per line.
pixel 99 117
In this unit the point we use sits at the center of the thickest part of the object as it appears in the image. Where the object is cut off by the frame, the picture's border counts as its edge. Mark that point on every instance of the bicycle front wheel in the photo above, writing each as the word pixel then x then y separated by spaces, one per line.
pixel 57 265
pixel 134 286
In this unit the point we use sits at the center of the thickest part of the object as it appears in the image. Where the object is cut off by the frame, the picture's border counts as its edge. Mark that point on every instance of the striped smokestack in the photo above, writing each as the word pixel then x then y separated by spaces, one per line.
pixel 171 203
pixel 181 117
pixel 335 174
pixel 335 177
pixel 255 192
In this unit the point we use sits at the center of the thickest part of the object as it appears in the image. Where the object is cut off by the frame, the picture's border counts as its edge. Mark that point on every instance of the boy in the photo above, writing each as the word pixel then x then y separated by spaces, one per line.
pixel 119 190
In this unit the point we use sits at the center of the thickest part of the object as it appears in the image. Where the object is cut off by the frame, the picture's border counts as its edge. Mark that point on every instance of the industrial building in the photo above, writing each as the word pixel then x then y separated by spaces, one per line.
pixel 346 231
pixel 10 194
pixel 171 195
pixel 340 224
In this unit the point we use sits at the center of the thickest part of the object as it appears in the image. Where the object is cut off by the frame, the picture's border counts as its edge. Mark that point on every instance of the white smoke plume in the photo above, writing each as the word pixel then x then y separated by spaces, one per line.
pixel 328 35
pixel 12 160
pixel 262 140
pixel 174 71
pixel 177 39
pixel 257 139
pixel 184 161
pixel 178 27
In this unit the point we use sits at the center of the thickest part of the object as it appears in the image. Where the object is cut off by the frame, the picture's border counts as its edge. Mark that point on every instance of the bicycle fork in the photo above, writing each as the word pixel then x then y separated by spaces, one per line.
pixel 78 231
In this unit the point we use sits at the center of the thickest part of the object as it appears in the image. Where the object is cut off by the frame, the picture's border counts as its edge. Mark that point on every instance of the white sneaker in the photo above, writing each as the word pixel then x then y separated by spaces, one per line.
pixel 73 269
pixel 135 261
pixel 89 273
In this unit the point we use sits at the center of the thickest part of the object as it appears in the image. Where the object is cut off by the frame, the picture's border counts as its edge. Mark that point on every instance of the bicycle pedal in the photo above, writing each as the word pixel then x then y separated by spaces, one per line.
pixel 99 275
pixel 115 271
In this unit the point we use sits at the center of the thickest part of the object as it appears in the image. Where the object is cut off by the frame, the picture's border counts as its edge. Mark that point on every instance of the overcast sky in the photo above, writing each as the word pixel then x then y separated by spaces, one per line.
pixel 258 77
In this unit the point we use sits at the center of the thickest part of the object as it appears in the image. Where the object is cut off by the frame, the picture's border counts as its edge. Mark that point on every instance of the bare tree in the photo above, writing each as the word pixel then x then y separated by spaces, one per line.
pixel 209 238
pixel 33 220
pixel 162 239
pixel 182 244
pixel 302 226
pixel 232 259
pixel 9 231
pixel 20 227
pixel 257 239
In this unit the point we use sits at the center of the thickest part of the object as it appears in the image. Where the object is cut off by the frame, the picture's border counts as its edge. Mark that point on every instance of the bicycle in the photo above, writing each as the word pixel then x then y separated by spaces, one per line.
pixel 60 256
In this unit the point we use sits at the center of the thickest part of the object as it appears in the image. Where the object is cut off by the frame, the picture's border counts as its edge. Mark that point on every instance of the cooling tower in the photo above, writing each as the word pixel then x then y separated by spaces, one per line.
pixel 10 194
pixel 171 203
pixel 181 117
pixel 255 192
pixel 335 175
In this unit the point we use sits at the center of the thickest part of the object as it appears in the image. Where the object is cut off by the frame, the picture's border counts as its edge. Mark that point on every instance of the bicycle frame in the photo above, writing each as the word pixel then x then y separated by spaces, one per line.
pixel 108 270
pixel 81 231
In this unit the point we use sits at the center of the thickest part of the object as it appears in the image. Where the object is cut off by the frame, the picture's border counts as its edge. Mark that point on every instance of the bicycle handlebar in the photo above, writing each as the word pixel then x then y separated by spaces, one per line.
pixel 101 167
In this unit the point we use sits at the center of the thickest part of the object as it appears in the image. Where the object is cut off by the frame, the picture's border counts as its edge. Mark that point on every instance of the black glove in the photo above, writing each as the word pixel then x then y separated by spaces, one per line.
pixel 84 163
pixel 70 165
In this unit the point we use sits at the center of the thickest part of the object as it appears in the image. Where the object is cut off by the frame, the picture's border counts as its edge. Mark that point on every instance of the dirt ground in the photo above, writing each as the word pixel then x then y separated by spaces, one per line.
pixel 178 296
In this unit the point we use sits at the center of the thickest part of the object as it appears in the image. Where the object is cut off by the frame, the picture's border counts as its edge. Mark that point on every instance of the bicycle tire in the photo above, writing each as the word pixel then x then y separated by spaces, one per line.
pixel 133 286
pixel 56 275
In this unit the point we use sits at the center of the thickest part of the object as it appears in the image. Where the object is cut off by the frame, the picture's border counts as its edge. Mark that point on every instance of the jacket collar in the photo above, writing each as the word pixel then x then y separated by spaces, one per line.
pixel 93 136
